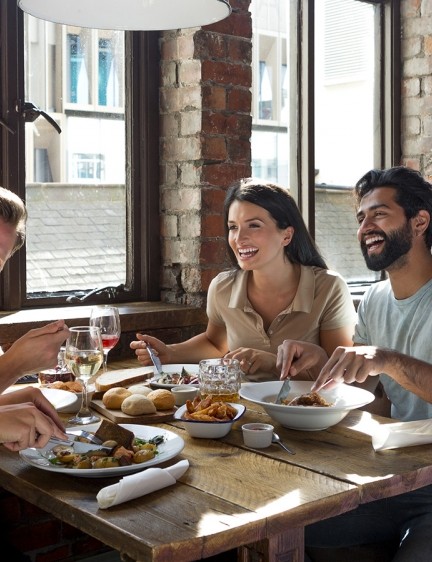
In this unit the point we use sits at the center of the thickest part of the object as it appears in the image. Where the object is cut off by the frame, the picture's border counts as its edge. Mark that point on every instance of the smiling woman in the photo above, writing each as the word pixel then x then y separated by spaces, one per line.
pixel 278 288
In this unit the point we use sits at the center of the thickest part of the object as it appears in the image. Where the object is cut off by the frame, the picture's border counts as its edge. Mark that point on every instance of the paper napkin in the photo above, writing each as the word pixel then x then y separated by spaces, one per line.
pixel 402 434
pixel 140 483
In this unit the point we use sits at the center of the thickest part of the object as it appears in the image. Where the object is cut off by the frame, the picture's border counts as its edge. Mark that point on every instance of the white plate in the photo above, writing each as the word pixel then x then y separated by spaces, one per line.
pixel 175 368
pixel 170 448
pixel 60 399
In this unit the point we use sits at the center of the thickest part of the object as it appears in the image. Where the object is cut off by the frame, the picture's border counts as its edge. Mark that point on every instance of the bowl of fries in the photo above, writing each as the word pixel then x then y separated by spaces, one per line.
pixel 207 419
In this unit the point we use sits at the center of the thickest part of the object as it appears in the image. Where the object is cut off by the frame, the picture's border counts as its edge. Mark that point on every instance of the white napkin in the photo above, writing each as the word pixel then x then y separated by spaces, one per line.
pixel 140 483
pixel 402 434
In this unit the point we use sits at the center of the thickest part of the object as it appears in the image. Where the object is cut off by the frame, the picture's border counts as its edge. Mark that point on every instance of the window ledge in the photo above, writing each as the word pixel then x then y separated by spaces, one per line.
pixel 137 316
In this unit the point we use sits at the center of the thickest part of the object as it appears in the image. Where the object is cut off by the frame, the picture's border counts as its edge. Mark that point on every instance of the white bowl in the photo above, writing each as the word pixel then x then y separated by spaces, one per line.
pixel 75 406
pixel 308 418
pixel 209 430
pixel 184 392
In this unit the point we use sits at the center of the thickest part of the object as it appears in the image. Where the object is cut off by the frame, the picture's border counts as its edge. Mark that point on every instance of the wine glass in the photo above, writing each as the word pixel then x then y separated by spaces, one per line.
pixel 106 318
pixel 84 356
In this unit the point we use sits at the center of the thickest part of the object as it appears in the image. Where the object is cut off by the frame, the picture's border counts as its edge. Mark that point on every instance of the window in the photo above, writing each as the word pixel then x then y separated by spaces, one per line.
pixel 326 109
pixel 89 190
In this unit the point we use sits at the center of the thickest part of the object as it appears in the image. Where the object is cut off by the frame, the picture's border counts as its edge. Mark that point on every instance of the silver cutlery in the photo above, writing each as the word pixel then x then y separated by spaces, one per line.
pixel 79 446
pixel 155 359
pixel 91 437
pixel 284 391
pixel 276 439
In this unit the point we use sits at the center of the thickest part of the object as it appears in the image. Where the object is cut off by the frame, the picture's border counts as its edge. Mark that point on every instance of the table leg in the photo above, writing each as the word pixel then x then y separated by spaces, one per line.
pixel 286 547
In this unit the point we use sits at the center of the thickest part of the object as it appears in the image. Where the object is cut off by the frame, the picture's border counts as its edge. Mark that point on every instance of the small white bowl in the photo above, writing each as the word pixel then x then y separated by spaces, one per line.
pixel 184 392
pixel 209 430
pixel 257 435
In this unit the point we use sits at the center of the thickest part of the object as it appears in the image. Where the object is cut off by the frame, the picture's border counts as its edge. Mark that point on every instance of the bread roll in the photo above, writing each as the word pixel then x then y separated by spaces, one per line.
pixel 137 404
pixel 140 389
pixel 114 397
pixel 162 399
pixel 123 377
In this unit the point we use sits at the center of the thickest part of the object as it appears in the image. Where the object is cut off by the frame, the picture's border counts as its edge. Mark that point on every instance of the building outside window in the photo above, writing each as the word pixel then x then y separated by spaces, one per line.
pixel 336 131
pixel 81 196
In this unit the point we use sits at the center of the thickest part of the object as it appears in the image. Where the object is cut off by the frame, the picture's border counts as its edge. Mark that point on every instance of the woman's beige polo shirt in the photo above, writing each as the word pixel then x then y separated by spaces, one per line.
pixel 322 302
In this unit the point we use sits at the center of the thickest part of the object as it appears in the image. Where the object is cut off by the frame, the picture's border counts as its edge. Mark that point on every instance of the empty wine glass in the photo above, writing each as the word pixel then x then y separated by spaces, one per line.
pixel 107 318
pixel 84 356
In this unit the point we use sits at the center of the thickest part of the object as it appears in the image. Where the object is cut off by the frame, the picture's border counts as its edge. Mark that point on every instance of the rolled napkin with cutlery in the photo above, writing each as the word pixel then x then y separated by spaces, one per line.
pixel 402 434
pixel 140 483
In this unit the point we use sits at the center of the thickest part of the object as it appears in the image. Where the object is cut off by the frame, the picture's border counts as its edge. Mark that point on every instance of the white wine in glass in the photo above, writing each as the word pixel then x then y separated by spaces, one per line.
pixel 84 356
pixel 107 318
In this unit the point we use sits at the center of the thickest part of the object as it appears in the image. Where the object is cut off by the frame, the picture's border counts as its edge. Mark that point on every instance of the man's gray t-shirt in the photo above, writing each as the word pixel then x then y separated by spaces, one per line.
pixel 405 326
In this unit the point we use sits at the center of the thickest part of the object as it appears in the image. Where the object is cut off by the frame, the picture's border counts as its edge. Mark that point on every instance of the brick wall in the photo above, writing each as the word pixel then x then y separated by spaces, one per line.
pixel 417 84
pixel 205 146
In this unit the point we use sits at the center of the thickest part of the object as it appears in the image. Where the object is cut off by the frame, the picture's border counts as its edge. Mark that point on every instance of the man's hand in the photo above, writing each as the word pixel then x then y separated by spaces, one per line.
pixel 351 364
pixel 293 357
pixel 23 425
pixel 27 419
pixel 33 352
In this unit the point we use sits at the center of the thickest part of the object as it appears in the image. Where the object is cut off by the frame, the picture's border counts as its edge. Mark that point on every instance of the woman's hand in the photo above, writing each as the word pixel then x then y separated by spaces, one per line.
pixel 253 360
pixel 293 357
pixel 140 347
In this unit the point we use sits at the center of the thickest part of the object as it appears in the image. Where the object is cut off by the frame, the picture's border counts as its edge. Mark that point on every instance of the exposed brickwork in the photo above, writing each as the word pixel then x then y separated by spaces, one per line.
pixel 208 106
pixel 417 84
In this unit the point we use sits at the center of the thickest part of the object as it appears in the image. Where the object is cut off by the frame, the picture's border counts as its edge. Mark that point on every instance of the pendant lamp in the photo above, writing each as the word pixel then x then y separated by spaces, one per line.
pixel 133 15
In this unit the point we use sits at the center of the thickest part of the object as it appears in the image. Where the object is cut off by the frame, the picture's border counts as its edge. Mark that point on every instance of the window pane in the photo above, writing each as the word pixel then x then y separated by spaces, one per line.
pixel 270 145
pixel 344 93
pixel 344 126
pixel 75 181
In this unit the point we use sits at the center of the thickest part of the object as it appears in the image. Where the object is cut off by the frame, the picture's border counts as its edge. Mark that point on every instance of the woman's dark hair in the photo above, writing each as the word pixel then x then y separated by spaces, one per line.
pixel 282 207
pixel 413 192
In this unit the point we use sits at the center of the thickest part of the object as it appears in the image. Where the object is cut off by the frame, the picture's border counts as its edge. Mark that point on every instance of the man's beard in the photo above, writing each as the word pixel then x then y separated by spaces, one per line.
pixel 395 246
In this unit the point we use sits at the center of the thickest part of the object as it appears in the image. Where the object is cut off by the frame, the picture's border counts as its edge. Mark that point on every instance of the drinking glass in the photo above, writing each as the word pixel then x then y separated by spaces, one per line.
pixel 84 356
pixel 220 378
pixel 107 318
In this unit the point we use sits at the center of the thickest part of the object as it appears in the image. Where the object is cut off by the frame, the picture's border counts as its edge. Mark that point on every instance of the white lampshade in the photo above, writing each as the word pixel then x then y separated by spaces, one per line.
pixel 130 15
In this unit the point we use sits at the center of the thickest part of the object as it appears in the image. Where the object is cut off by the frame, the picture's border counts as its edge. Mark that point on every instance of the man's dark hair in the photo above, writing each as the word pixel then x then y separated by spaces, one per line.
pixel 413 192
pixel 13 211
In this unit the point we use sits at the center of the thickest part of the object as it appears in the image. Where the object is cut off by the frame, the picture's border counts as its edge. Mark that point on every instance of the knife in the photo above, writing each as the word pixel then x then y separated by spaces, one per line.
pixel 284 391
pixel 155 359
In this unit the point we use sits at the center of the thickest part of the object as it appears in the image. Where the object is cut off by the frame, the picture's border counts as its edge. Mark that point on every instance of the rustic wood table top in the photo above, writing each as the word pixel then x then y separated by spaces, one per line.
pixel 232 496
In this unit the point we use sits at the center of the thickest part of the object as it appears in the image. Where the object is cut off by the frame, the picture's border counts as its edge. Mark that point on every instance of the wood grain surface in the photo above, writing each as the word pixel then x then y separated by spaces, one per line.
pixel 118 416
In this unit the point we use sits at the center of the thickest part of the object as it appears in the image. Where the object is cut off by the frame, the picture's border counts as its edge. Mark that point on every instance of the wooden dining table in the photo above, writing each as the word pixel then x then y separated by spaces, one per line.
pixel 258 501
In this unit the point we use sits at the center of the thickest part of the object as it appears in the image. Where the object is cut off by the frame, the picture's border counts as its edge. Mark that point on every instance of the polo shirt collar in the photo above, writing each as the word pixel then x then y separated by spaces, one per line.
pixel 303 299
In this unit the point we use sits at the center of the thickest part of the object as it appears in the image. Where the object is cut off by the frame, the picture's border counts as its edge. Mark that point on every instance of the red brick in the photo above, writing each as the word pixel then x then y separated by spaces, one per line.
pixel 239 99
pixel 212 226
pixel 213 97
pixel 214 148
pixel 224 73
pixel 223 175
pixel 212 200
pixel 212 252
